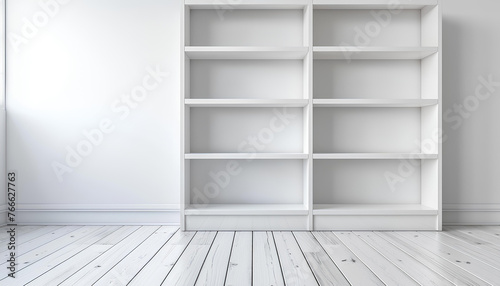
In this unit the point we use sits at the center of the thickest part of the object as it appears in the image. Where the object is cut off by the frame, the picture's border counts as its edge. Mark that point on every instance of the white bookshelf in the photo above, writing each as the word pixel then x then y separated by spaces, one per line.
pixel 299 115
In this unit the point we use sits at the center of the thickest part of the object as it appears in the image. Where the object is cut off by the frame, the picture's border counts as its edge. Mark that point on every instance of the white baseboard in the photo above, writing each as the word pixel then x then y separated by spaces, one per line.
pixel 168 214
pixel 79 214
pixel 471 214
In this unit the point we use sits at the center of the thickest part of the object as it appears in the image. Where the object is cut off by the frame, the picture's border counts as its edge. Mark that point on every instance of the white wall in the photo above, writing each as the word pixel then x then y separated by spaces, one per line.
pixel 72 66
pixel 471 157
pixel 69 72
pixel 3 205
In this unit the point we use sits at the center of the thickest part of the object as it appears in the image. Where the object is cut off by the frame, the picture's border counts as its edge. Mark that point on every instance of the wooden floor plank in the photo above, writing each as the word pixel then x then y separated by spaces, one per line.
pixel 186 269
pixel 4 236
pixel 354 270
pixel 450 271
pixel 474 240
pixel 128 267
pixel 491 229
pixel 294 266
pixel 50 230
pixel 40 238
pixel 60 245
pixel 266 266
pixel 389 273
pixel 3 233
pixel 91 272
pixel 239 272
pixel 478 233
pixel 47 248
pixel 214 269
pixel 473 250
pixel 27 272
pixel 160 265
pixel 324 269
pixel 62 271
pixel 414 268
pixel 28 233
pixel 21 232
pixel 464 261
pixel 81 258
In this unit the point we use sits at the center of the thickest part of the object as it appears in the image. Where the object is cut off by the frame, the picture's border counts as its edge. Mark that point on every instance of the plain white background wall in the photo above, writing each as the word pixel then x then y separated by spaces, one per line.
pixel 69 74
pixel 65 75
pixel 471 157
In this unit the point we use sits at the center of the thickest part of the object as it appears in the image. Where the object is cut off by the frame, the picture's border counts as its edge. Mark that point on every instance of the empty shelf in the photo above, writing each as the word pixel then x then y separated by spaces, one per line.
pixel 393 156
pixel 372 4
pixel 372 53
pixel 280 156
pixel 246 209
pixel 374 102
pixel 247 4
pixel 373 209
pixel 272 53
pixel 246 102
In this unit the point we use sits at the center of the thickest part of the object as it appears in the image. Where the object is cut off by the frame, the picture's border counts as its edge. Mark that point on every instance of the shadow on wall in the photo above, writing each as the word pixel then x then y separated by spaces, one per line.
pixel 471 84
pixel 451 90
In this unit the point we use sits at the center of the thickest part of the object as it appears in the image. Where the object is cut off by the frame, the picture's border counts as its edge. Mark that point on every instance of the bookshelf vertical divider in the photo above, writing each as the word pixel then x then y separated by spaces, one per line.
pixel 311 115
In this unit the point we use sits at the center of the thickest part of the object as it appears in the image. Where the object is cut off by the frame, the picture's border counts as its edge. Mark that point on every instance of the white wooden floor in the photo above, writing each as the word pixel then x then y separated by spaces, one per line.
pixel 154 255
